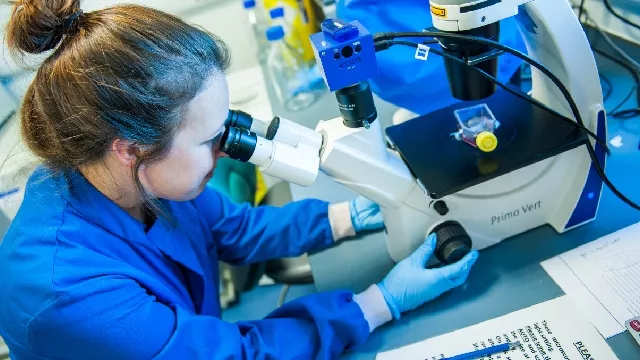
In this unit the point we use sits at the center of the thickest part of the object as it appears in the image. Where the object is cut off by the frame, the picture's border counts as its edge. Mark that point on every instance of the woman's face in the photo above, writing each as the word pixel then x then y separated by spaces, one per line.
pixel 183 174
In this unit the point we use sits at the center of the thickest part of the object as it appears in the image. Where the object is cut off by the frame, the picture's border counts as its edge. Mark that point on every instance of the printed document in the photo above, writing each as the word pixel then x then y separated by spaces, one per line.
pixel 552 330
pixel 603 279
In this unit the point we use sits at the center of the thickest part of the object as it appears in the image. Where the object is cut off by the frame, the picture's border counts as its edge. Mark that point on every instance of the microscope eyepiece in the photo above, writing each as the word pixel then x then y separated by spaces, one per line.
pixel 238 143
pixel 239 119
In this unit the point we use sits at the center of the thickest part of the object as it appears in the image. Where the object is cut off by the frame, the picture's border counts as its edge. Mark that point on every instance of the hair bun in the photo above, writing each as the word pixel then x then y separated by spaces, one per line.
pixel 37 26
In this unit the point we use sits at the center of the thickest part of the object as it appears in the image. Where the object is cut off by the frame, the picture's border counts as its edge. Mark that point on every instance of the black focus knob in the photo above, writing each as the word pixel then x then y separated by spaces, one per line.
pixel 453 242
pixel 441 207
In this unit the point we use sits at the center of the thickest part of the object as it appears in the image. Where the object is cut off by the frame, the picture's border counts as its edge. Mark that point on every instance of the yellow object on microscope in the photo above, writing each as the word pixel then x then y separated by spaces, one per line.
pixel 486 141
pixel 305 17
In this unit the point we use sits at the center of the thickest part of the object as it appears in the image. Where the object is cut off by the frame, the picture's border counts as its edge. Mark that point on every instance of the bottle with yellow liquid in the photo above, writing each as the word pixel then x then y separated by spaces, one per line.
pixel 304 17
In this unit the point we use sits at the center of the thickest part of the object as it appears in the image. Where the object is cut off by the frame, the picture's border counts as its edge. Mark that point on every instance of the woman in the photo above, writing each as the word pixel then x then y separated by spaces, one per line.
pixel 113 254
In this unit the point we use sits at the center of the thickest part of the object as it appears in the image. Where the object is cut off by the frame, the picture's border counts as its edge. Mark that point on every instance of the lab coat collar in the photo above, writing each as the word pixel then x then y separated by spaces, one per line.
pixel 175 244
pixel 94 206
pixel 182 250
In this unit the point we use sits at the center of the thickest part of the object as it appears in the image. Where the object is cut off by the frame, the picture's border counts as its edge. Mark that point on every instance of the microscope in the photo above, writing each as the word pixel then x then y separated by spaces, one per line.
pixel 475 173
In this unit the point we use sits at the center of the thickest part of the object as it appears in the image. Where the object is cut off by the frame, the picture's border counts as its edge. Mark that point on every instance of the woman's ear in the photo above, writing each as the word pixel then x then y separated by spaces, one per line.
pixel 125 151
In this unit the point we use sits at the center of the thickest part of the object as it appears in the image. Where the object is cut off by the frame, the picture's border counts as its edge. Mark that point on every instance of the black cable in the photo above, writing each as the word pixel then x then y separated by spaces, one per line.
pixel 6 119
pixel 386 44
pixel 522 56
pixel 581 9
pixel 614 110
pixel 610 8
pixel 614 113
pixel 607 82
pixel 626 98
pixel 626 66
pixel 626 114
pixel 537 65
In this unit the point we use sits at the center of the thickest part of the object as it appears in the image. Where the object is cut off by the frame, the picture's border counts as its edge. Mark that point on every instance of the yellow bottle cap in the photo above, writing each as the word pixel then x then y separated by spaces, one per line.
pixel 486 141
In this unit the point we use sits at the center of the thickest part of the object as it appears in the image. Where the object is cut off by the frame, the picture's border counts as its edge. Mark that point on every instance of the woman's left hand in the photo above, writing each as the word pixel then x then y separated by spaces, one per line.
pixel 365 214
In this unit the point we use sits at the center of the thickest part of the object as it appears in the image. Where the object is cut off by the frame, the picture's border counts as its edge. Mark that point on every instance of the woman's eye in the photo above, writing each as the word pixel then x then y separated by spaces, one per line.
pixel 215 140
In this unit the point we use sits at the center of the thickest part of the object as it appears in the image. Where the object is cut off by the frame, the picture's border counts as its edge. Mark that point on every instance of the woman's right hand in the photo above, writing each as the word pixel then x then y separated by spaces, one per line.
pixel 409 284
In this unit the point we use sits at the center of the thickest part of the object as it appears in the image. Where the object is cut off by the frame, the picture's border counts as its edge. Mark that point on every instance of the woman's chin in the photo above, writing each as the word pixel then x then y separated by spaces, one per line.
pixel 191 194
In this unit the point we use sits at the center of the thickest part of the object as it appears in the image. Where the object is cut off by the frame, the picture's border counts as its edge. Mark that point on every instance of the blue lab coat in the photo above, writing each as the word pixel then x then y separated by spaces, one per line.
pixel 81 279
pixel 416 85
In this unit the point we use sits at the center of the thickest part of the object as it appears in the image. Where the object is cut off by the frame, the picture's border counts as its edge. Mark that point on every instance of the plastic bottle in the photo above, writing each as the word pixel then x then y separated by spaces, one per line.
pixel 259 24
pixel 316 82
pixel 303 19
pixel 288 74
pixel 278 17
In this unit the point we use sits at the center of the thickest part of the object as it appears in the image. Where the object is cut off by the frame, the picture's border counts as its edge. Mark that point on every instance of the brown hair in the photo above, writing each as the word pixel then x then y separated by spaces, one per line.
pixel 122 72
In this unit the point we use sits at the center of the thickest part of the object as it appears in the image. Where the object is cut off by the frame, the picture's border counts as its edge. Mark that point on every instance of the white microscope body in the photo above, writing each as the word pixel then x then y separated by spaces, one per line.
pixel 547 192
pixel 562 191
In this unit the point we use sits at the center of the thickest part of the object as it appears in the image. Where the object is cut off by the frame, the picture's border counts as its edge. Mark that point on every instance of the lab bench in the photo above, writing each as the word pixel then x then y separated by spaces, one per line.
pixel 507 277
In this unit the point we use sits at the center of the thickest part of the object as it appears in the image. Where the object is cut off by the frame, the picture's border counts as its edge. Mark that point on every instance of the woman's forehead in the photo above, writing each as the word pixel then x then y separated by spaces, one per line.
pixel 207 111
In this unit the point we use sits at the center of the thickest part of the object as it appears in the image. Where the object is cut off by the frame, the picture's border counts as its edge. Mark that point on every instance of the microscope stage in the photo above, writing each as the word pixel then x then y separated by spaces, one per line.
pixel 444 165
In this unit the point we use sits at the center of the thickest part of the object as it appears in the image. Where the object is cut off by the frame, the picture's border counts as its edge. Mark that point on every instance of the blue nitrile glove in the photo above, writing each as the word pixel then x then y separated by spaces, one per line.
pixel 409 285
pixel 365 214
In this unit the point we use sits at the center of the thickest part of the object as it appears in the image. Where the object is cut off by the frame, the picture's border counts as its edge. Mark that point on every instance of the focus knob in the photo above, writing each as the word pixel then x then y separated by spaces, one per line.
pixel 441 207
pixel 453 242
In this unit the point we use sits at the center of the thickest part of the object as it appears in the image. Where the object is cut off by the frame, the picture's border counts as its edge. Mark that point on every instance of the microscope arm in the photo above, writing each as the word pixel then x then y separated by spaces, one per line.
pixel 294 153
pixel 360 160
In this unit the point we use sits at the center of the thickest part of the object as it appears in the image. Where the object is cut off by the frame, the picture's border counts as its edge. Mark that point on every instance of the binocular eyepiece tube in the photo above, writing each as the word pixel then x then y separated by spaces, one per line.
pixel 242 120
pixel 286 152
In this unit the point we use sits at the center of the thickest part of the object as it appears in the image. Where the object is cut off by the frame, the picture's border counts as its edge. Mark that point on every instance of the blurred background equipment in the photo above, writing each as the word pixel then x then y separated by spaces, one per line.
pixel 607 22
pixel 259 21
